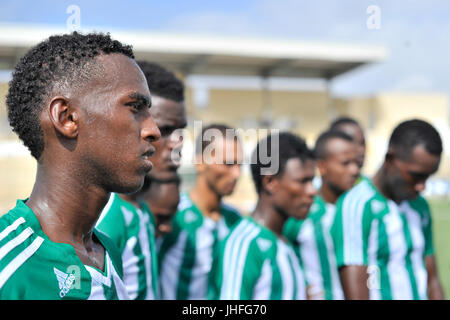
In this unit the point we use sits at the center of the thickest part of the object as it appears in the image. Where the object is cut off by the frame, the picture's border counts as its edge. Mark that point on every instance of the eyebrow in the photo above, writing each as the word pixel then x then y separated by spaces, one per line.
pixel 141 98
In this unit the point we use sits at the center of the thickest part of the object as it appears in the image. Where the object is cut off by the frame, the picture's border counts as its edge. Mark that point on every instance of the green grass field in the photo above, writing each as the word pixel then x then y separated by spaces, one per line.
pixel 441 230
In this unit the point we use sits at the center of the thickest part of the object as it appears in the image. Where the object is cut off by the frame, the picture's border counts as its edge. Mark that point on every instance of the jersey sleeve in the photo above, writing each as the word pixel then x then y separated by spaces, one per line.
pixel 350 231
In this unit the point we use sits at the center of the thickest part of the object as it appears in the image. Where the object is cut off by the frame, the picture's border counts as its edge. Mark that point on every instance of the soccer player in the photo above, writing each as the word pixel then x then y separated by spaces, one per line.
pixel 77 117
pixel 351 127
pixel 202 219
pixel 337 162
pixel 382 231
pixel 126 218
pixel 255 261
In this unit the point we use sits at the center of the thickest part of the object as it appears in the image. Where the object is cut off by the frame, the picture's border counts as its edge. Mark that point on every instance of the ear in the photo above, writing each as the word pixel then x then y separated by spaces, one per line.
pixel 321 166
pixel 199 164
pixel 390 155
pixel 269 183
pixel 64 117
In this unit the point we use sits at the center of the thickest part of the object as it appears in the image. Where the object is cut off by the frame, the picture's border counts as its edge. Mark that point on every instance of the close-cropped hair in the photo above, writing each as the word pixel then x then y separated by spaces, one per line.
pixel 412 133
pixel 202 141
pixel 321 147
pixel 162 82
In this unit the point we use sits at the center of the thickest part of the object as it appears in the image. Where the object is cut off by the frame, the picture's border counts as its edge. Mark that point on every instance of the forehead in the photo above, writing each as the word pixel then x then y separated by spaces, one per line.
pixel 336 147
pixel 296 169
pixel 119 73
pixel 422 160
pixel 167 111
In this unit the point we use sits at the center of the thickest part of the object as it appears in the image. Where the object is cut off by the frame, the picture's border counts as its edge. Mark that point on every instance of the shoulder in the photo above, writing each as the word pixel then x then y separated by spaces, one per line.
pixel 230 214
pixel 358 197
pixel 188 217
pixel 247 233
pixel 420 204
pixel 19 243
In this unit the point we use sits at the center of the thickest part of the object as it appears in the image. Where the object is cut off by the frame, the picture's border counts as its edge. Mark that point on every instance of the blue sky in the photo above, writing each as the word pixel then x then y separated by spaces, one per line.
pixel 416 33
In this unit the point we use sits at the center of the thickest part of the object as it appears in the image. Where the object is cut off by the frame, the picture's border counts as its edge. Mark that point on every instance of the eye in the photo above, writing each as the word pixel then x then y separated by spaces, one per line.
pixel 136 105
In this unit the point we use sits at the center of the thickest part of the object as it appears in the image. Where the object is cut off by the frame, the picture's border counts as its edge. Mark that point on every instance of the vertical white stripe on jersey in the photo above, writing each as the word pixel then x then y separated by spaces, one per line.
pixel 374 276
pixel 398 274
pixel 418 240
pixel 310 257
pixel 121 290
pixel 240 262
pixel 11 228
pixel 298 274
pixel 204 253
pixel 262 290
pixel 326 222
pixel 287 277
pixel 352 215
pixel 144 243
pixel 11 244
pixel 229 254
pixel 8 271
pixel 170 268
pixel 130 268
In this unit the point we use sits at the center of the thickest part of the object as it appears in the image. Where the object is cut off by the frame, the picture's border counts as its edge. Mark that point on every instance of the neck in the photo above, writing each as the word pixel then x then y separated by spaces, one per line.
pixel 267 215
pixel 133 198
pixel 327 193
pixel 379 180
pixel 66 206
pixel 206 199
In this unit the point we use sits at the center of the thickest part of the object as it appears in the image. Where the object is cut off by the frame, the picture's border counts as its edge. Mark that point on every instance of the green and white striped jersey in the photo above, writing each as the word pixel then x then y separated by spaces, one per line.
pixel 314 246
pixel 391 239
pixel 32 267
pixel 252 263
pixel 186 254
pixel 132 230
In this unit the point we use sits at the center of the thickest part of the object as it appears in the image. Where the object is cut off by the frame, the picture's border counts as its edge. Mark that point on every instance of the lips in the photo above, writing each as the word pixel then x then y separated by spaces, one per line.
pixel 145 156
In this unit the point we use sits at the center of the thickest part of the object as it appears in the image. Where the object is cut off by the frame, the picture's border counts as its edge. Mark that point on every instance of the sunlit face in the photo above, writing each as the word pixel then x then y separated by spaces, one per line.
pixel 294 193
pixel 357 135
pixel 407 179
pixel 168 116
pixel 340 169
pixel 221 168
pixel 116 129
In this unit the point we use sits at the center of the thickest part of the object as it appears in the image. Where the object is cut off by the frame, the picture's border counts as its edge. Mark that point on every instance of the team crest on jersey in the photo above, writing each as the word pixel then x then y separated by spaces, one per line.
pixel 65 281
pixel 189 217
pixel 314 207
pixel 377 206
pixel 263 244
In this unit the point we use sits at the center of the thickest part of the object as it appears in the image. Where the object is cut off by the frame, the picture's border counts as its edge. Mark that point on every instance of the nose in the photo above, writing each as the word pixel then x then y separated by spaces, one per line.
pixel 311 190
pixel 150 130
pixel 236 171
pixel 355 169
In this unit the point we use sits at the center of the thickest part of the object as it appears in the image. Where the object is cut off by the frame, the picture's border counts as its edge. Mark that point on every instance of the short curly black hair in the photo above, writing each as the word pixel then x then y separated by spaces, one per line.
pixel 162 82
pixel 60 61
pixel 289 146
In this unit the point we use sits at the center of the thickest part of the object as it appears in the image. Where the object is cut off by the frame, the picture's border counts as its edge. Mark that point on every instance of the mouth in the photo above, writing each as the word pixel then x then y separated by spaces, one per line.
pixel 146 157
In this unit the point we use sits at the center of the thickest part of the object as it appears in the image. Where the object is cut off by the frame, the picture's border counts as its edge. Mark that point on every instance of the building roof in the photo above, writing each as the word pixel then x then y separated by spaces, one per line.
pixel 201 55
